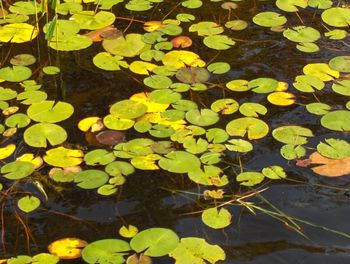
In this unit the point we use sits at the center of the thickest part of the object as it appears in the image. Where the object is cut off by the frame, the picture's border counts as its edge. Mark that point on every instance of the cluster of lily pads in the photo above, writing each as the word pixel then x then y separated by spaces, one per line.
pixel 180 135
pixel 152 242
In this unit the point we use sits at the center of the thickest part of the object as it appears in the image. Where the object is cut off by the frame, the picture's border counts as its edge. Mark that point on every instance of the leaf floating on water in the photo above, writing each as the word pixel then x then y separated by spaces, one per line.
pixel 28 203
pixel 334 148
pixel 64 157
pixel 330 167
pixel 128 231
pixel 67 248
pixel 106 251
pixel 18 33
pixel 197 250
pixel 7 151
pixel 216 218
pixel 155 242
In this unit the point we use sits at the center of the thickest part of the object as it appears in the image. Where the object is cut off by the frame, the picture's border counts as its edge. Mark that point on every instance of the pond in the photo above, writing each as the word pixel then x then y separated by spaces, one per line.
pixel 159 131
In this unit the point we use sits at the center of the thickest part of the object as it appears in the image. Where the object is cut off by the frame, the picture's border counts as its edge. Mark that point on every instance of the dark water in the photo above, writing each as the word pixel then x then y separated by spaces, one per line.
pixel 148 199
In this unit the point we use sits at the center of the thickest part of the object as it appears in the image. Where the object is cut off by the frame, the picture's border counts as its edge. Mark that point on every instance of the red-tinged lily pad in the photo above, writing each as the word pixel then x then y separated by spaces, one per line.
pixel 181 42
pixel 110 137
pixel 193 75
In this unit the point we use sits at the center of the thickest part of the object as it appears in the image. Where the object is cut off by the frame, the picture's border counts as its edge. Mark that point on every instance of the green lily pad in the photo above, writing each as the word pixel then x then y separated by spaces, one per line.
pixel 219 67
pixel 308 83
pixel 263 85
pixel 293 135
pixel 215 218
pixel 237 24
pixel 255 128
pixel 70 43
pixel 165 96
pixel 239 145
pixel 17 170
pixel 119 168
pixel 128 109
pixel 342 87
pixel 128 46
pixel 340 63
pixel 7 94
pixel 225 106
pixel 115 123
pixel 337 120
pixel 274 172
pixel 108 62
pixel 206 28
pixel 179 162
pixel 308 47
pixel 109 251
pixel 250 178
pixel 337 16
pixel 197 251
pixel 28 203
pixel 192 3
pixel 18 120
pixel 218 42
pixel 31 97
pixel 155 242
pixel 45 258
pixel 98 157
pixel 25 7
pixel 252 109
pixel 202 117
pixel 269 19
pixel 320 4
pixel 158 82
pixel 216 135
pixel 23 60
pixel 334 148
pixel 318 108
pixel 336 34
pixel 51 70
pixel 91 179
pixel 49 112
pixel 91 20
pixel 15 73
pixel 37 135
pixel 302 34
pixel 291 152
pixel 291 5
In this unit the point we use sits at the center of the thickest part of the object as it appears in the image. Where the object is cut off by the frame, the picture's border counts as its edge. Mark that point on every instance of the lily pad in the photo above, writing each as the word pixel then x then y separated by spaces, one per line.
pixel 255 128
pixel 203 117
pixel 39 134
pixel 334 148
pixel 63 157
pixel 15 73
pixel 250 178
pixel 340 63
pixel 197 251
pixel 337 120
pixel 216 218
pixel 17 170
pixel 110 251
pixel 293 135
pixel 337 16
pixel 90 179
pixel 28 203
pixel 49 112
pixel 18 33
pixel 179 162
pixel 155 242
pixel 269 19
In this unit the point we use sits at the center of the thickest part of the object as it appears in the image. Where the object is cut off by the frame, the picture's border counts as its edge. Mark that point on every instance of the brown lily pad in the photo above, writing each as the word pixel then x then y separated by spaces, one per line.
pixel 327 167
